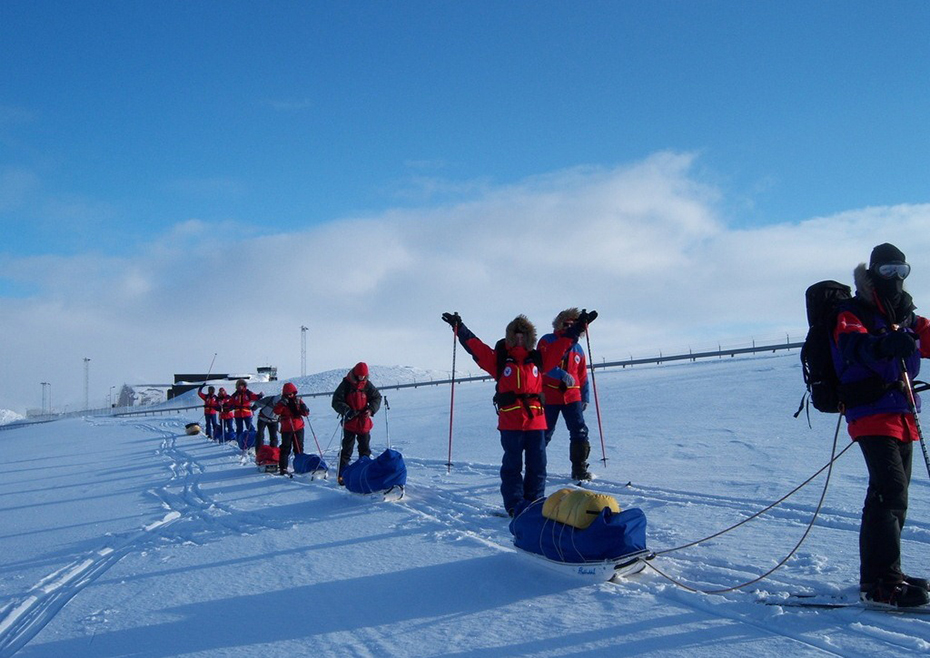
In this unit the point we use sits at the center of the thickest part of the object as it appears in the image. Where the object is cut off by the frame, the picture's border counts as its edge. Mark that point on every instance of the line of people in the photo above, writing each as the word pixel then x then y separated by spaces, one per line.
pixel 356 400
pixel 221 410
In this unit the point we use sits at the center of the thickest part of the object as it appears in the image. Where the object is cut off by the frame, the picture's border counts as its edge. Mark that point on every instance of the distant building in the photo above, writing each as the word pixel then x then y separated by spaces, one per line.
pixel 267 373
pixel 185 382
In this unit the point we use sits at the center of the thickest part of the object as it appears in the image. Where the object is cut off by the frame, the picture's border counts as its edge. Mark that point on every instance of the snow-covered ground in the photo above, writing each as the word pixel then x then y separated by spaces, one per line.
pixel 126 537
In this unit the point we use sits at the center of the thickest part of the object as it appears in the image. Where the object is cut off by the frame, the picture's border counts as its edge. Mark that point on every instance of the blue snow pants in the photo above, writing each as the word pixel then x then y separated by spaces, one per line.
pixel 244 423
pixel 574 420
pixel 515 486
pixel 212 428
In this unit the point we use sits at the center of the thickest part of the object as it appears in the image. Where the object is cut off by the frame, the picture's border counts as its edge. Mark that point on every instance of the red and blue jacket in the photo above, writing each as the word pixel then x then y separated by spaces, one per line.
pixel 520 382
pixel 574 363
pixel 858 329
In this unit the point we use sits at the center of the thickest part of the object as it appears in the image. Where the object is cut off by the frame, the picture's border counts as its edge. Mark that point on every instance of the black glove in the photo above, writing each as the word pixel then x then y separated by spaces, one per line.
pixel 898 344
pixel 586 317
pixel 294 407
pixel 261 395
pixel 454 319
pixel 350 414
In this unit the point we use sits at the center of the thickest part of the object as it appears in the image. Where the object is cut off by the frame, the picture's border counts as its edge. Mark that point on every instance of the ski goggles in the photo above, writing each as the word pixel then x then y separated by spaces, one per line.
pixel 893 270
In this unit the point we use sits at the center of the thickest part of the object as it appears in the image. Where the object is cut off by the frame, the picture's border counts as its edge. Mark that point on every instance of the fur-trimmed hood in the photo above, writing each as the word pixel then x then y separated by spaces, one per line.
pixel 865 290
pixel 521 323
pixel 568 314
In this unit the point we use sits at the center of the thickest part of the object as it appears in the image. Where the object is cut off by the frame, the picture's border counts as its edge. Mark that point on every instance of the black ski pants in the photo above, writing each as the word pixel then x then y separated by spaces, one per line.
pixel 885 508
pixel 272 433
pixel 287 440
pixel 348 445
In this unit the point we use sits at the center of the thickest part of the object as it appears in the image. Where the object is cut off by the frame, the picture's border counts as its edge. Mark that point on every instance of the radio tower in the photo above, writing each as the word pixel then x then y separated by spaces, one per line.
pixel 303 351
pixel 86 383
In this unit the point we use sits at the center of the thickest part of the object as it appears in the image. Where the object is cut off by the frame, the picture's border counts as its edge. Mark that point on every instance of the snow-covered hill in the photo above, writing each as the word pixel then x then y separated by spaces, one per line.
pixel 7 416
pixel 126 537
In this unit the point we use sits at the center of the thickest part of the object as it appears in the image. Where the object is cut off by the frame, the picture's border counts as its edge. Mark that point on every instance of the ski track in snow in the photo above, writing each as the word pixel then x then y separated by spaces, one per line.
pixel 183 501
pixel 461 505
pixel 450 507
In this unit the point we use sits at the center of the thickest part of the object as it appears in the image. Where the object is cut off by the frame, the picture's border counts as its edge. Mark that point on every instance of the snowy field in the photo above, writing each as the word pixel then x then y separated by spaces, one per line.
pixel 126 537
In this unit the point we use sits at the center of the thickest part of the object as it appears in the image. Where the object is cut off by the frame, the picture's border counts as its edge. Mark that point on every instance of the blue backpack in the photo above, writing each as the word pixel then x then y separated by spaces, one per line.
pixel 366 475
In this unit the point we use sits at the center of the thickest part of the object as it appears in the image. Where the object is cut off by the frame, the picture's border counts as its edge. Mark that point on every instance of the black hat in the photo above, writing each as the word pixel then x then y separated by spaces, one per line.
pixel 886 253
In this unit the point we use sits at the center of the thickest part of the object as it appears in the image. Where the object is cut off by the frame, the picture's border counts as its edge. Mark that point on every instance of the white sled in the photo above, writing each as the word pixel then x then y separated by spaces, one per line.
pixel 595 572
pixel 319 474
pixel 393 494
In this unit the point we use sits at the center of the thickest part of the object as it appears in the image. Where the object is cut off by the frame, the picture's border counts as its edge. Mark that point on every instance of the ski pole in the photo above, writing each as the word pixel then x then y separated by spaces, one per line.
pixel 912 403
pixel 455 340
pixel 206 379
pixel 387 425
pixel 597 406
pixel 313 434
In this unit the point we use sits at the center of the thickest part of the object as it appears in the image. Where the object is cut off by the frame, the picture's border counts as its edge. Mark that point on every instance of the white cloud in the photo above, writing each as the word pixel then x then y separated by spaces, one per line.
pixel 644 244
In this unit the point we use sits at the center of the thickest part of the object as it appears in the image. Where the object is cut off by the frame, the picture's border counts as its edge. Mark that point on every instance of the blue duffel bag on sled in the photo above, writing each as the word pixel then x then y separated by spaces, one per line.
pixel 246 439
pixel 366 475
pixel 310 463
pixel 610 535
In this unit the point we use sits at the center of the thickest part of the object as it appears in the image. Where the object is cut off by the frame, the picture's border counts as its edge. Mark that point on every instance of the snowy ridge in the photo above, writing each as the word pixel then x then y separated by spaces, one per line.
pixel 7 416
pixel 154 543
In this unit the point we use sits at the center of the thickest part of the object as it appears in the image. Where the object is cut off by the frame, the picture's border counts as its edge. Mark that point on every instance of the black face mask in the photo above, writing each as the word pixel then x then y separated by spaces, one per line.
pixel 890 290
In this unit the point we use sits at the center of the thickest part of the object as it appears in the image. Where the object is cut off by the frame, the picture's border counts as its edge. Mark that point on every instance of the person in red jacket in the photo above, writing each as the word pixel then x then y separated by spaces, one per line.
pixel 877 339
pixel 227 413
pixel 291 411
pixel 518 369
pixel 356 399
pixel 211 407
pixel 242 401
pixel 566 389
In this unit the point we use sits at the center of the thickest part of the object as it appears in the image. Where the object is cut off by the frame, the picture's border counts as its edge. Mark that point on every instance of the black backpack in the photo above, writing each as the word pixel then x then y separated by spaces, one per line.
pixel 823 300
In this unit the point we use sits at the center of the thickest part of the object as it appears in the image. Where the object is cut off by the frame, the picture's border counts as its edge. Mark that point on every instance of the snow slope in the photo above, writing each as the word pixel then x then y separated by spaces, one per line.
pixel 126 537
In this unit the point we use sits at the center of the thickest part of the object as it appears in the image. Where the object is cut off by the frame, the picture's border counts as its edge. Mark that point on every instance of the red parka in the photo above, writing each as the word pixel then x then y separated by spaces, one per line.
pixel 357 400
pixel 242 401
pixel 291 415
pixel 211 404
pixel 520 381
pixel 225 405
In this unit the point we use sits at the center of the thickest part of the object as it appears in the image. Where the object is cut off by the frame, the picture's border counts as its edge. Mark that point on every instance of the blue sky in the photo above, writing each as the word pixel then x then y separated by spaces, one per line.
pixel 137 137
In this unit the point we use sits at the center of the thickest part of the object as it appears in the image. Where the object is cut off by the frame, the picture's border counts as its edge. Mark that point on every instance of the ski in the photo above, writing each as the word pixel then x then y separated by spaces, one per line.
pixel 836 602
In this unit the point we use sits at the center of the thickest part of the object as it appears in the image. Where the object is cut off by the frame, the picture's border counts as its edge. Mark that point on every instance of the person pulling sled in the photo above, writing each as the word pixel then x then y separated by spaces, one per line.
pixel 877 345
pixel 291 411
pixel 355 399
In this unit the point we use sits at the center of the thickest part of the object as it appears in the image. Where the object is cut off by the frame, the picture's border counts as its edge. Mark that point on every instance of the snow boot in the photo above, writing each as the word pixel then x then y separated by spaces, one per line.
pixel 898 595
pixel 578 452
pixel 921 583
